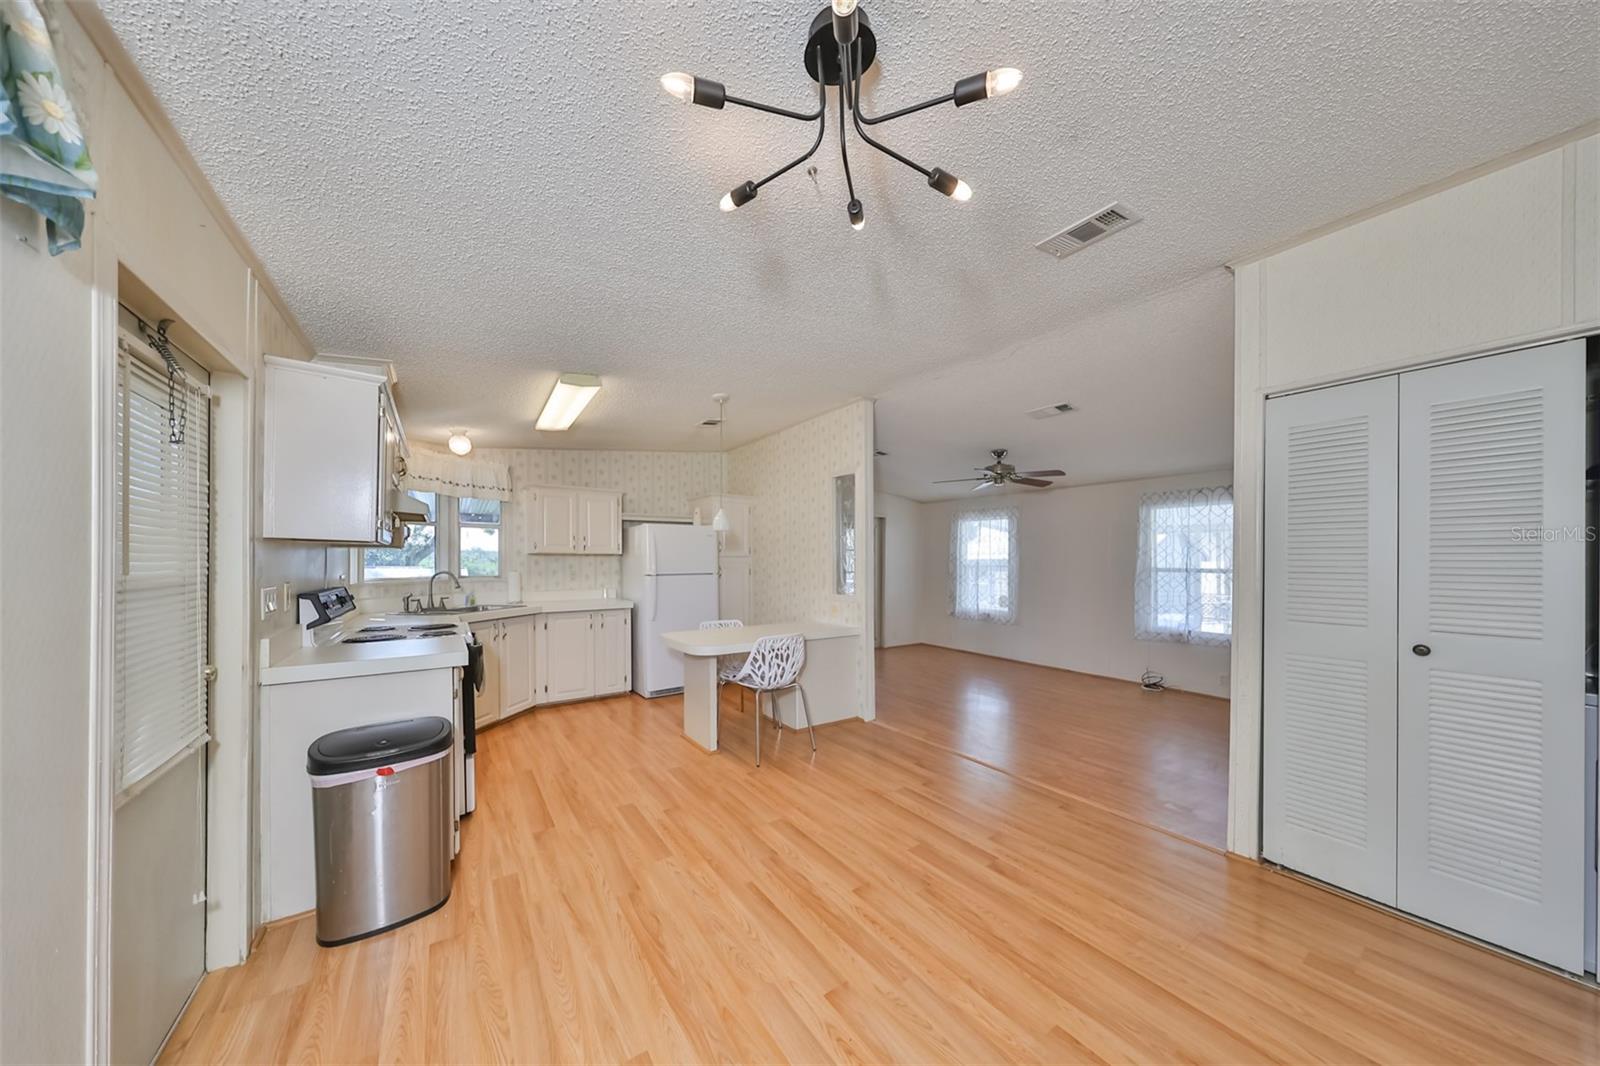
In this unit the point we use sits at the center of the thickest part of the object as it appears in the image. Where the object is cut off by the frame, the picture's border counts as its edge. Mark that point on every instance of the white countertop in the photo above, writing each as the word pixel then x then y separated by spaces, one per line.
pixel 706 642
pixel 362 660
pixel 546 606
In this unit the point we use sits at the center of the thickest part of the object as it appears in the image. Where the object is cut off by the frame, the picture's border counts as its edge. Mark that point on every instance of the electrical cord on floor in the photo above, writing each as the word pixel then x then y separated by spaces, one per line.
pixel 1151 681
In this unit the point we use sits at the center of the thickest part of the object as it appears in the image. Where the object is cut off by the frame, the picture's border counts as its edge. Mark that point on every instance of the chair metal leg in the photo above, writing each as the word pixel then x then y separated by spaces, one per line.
pixel 800 694
pixel 777 719
pixel 758 727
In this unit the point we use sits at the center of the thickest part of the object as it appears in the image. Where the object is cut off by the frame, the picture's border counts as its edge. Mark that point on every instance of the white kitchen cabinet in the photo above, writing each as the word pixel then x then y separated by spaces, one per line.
pixel 518 676
pixel 571 521
pixel 613 652
pixel 735 541
pixel 600 523
pixel 733 587
pixel 509 668
pixel 553 521
pixel 565 645
pixel 331 443
pixel 486 704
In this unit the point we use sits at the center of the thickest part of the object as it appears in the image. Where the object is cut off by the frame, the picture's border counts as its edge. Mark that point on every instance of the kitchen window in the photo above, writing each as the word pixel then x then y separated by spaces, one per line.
pixel 983 566
pixel 478 537
pixel 416 557
pixel 1183 582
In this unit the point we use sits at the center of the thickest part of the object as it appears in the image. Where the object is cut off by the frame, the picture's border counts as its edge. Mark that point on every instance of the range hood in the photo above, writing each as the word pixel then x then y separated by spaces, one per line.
pixel 407 508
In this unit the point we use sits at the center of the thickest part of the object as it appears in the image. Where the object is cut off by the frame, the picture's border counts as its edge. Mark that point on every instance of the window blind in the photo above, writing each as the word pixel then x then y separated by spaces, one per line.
pixel 163 558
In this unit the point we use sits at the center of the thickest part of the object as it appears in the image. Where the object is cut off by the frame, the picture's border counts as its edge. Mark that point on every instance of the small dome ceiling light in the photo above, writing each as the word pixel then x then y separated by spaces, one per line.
pixel 840 47
pixel 460 443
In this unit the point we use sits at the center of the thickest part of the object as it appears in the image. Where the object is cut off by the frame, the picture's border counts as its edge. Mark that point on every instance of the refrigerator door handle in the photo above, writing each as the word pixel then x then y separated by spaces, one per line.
pixel 655 600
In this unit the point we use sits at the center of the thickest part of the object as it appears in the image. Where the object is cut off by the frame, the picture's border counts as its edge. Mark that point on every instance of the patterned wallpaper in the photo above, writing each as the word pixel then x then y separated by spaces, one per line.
pixel 791 475
pixel 657 483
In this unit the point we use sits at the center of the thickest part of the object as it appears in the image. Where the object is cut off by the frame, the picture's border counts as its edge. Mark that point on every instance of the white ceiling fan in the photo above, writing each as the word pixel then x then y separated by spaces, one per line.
pixel 1001 472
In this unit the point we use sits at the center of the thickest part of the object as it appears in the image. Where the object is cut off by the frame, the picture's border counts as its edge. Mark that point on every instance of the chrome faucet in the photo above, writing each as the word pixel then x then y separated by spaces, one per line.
pixel 436 577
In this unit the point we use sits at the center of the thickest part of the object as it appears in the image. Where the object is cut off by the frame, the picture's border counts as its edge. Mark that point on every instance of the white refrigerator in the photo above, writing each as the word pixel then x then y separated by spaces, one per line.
pixel 670 574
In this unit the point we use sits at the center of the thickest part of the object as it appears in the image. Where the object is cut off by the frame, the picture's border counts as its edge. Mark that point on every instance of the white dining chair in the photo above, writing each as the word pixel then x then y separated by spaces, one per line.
pixel 774 665
pixel 727 665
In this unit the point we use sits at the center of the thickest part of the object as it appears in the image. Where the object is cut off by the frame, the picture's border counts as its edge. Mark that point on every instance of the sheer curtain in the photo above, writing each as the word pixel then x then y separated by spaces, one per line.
pixel 1183 582
pixel 983 565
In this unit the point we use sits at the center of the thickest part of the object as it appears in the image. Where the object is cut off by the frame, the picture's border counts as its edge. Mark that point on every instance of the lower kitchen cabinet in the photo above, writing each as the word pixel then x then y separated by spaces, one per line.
pixel 581 654
pixel 613 652
pixel 508 668
pixel 552 658
pixel 565 650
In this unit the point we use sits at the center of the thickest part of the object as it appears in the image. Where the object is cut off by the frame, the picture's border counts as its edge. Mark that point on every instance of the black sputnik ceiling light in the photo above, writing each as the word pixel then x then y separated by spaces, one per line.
pixel 840 46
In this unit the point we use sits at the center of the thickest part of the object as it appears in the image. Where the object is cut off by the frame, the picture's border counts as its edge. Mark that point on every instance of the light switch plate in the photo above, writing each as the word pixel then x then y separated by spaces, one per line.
pixel 269 600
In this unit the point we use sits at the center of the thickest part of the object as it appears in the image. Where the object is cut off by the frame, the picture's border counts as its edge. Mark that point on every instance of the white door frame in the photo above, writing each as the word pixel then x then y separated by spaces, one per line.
pixel 229 828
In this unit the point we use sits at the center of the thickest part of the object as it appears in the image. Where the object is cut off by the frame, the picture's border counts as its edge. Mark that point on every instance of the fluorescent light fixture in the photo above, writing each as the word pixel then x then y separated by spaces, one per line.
pixel 567 401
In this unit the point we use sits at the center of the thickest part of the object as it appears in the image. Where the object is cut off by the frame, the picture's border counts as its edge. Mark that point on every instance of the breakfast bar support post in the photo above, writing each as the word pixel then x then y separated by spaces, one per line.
pixel 700 700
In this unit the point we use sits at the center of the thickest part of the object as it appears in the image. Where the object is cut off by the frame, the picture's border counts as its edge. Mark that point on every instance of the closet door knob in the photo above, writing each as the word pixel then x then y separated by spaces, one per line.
pixel 1421 649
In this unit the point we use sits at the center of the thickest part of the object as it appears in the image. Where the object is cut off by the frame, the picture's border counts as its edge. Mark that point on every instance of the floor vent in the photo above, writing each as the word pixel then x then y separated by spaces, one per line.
pixel 1081 234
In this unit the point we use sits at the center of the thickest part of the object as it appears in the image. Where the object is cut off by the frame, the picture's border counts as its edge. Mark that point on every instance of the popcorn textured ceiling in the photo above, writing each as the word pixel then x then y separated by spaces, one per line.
pixel 490 193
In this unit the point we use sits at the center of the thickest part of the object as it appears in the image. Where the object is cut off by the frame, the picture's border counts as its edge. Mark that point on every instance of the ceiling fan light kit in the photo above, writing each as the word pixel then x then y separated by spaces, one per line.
pixel 840 47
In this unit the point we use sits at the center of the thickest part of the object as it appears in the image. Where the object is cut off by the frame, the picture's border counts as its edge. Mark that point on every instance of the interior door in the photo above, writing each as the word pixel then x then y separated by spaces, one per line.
pixel 158 914
pixel 1491 730
pixel 1329 661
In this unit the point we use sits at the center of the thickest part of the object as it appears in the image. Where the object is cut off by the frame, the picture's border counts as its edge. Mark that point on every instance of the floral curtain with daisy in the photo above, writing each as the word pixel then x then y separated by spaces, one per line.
pixel 44 161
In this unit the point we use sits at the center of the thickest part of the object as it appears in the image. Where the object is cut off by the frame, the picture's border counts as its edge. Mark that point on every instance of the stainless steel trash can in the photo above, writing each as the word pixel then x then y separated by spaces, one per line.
pixel 381 802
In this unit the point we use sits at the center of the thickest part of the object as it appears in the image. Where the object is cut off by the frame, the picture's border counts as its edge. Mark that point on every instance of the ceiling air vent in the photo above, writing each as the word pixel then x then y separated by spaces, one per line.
pixel 711 421
pixel 1085 232
pixel 1050 410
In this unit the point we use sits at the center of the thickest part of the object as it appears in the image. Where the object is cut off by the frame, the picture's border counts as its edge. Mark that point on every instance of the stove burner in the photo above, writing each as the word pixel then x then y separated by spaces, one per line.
pixel 373 638
pixel 434 627
pixel 376 629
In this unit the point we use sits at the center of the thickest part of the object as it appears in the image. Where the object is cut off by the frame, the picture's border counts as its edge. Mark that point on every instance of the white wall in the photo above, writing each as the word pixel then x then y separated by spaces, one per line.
pixel 1076 551
pixel 790 476
pixel 1507 256
pixel 153 219
pixel 902 568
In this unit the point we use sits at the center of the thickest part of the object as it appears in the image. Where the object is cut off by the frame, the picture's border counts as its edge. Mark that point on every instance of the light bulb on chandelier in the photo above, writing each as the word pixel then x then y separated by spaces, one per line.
pixel 841 46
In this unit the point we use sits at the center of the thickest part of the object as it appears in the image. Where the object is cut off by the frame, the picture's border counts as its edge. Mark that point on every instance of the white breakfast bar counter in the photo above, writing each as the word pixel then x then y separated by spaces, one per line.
pixel 830 677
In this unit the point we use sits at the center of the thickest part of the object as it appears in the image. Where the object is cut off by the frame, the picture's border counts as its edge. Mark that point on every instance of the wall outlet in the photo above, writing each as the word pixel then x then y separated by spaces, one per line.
pixel 270 600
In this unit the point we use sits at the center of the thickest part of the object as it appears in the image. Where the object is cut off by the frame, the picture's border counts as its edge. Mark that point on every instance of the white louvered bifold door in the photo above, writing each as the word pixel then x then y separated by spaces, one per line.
pixel 163 556
pixel 1329 667
pixel 1491 744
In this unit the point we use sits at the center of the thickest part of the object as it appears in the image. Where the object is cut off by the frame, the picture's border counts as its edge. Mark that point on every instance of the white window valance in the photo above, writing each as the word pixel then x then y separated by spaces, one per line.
pixel 453 475
pixel 1183 581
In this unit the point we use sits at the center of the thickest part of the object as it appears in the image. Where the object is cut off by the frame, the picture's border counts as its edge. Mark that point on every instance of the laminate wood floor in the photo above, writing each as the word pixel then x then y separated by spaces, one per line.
pixel 622 896
pixel 1160 758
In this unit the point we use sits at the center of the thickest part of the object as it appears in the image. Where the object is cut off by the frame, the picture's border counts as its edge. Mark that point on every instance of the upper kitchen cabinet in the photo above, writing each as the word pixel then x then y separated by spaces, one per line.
pixel 332 453
pixel 736 540
pixel 569 521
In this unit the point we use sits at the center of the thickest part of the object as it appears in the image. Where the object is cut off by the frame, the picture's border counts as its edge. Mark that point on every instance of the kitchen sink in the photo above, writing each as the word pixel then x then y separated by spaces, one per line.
pixel 473 609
